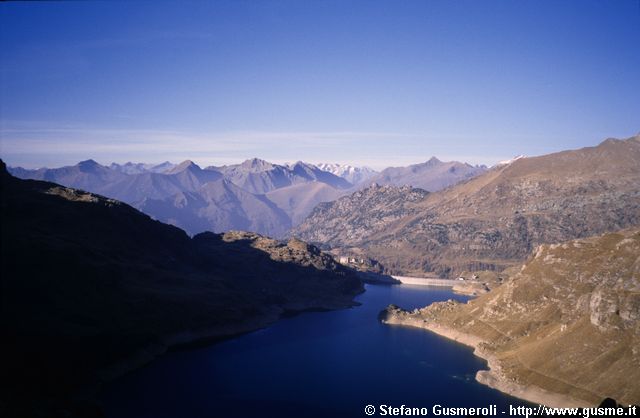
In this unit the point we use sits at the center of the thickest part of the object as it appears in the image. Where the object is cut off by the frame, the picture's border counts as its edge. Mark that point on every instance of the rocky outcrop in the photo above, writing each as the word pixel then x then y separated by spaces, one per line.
pixel 491 221
pixel 565 328
pixel 352 219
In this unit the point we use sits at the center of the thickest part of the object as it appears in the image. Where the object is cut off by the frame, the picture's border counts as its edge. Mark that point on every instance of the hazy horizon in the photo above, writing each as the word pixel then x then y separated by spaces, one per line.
pixel 373 84
pixel 231 161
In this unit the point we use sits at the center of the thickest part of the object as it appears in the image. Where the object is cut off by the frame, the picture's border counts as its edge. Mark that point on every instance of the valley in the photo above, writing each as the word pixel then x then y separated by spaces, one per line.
pixel 106 263
pixel 319 209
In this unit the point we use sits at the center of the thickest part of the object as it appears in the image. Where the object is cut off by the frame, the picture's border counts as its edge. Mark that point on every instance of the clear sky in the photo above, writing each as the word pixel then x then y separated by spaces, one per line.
pixel 368 82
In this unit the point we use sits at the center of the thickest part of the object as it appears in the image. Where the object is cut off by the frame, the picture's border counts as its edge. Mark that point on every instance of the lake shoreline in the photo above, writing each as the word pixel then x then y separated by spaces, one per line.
pixel 276 368
pixel 493 377
pixel 191 339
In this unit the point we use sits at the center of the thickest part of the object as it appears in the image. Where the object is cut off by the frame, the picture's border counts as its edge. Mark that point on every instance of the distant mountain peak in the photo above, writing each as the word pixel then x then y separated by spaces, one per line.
pixel 256 164
pixel 302 163
pixel 87 165
pixel 301 166
pixel 610 141
pixel 513 208
pixel 88 162
pixel 185 165
pixel 431 175
pixel 616 141
pixel 131 167
pixel 165 166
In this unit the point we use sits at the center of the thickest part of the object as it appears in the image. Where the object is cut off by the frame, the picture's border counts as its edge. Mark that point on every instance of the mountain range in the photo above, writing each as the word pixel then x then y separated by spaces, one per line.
pixel 432 175
pixel 255 195
pixel 90 284
pixel 491 221
pixel 91 288
pixel 259 176
pixel 138 168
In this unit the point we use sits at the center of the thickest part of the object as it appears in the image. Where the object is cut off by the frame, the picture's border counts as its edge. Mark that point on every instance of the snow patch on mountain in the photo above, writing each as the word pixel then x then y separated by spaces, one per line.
pixel 352 174
pixel 507 162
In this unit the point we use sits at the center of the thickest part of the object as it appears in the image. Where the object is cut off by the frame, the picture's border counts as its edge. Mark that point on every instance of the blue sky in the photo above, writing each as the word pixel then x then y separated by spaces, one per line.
pixel 379 83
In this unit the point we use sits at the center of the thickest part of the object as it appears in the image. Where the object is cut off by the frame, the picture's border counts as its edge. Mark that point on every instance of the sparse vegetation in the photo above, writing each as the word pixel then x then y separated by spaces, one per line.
pixel 568 322
pixel 492 221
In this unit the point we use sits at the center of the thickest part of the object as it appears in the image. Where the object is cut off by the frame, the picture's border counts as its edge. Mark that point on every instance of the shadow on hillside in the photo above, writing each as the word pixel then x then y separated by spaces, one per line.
pixel 88 281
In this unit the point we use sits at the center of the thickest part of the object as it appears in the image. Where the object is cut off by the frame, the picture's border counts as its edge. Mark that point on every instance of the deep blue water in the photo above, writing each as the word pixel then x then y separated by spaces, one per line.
pixel 325 364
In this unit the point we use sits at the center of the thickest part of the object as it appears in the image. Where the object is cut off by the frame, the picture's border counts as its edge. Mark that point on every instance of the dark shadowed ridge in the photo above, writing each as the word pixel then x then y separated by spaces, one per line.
pixel 92 288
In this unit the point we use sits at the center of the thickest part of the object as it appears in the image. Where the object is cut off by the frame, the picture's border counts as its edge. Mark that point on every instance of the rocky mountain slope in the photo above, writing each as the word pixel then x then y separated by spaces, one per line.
pixel 564 331
pixel 90 284
pixel 350 220
pixel 432 175
pixel 494 220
